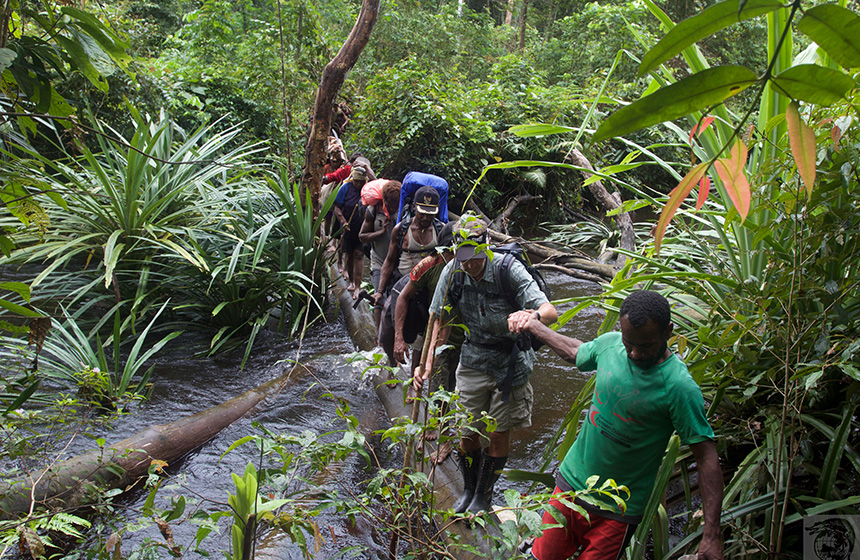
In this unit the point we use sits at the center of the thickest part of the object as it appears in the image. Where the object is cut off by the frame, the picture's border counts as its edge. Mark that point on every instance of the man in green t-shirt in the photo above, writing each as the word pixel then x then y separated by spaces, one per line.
pixel 643 393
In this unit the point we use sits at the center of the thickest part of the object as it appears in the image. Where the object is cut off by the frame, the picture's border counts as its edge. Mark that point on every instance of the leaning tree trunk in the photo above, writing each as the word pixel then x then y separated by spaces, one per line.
pixel 331 81
pixel 607 202
pixel 69 484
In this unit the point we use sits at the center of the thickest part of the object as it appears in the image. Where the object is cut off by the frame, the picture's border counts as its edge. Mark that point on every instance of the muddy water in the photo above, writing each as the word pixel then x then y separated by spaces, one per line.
pixel 184 386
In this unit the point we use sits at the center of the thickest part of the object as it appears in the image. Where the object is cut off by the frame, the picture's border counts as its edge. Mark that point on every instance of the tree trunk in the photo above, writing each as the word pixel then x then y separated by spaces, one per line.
pixel 509 12
pixel 68 484
pixel 607 202
pixel 331 81
pixel 523 25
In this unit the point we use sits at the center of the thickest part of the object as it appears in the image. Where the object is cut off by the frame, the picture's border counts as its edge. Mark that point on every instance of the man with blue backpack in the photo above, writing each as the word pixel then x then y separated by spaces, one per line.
pixel 494 296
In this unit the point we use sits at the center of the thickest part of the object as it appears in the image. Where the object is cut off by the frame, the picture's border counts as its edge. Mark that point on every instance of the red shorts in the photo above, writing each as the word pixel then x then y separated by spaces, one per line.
pixel 601 539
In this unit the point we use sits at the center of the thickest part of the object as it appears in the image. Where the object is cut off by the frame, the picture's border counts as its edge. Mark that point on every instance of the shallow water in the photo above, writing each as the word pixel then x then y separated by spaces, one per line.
pixel 185 386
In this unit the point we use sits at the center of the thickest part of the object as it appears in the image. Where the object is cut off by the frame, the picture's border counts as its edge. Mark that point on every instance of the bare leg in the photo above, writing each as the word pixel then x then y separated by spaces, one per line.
pixel 357 271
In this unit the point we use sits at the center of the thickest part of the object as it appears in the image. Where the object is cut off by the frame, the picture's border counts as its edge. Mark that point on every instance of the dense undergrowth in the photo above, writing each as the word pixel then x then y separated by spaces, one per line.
pixel 148 171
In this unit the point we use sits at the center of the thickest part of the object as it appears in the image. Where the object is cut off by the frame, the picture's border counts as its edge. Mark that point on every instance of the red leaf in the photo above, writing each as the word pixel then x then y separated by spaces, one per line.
pixel 704 189
pixel 731 171
pixel 676 197
pixel 836 136
pixel 706 122
pixel 700 127
pixel 801 138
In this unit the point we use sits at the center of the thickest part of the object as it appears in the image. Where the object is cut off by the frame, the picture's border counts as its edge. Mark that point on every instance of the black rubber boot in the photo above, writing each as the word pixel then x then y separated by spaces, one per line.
pixel 491 469
pixel 470 464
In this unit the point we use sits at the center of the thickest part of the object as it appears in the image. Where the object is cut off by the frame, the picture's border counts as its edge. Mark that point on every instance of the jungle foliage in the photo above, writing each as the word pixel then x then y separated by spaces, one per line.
pixel 149 153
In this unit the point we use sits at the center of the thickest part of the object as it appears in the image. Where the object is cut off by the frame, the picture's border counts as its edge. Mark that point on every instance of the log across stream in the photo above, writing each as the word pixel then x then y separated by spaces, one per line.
pixel 185 385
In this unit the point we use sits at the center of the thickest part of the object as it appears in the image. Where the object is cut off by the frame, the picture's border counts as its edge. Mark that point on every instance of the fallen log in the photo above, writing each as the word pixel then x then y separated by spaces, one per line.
pixel 571 258
pixel 68 484
pixel 607 202
pixel 571 261
pixel 447 481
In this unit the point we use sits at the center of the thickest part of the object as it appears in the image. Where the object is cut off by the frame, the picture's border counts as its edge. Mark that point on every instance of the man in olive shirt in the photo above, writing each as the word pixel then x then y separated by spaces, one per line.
pixel 493 373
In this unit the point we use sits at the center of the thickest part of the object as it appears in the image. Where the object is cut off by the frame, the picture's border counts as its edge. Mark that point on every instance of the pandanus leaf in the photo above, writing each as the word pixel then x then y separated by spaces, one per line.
pixel 836 30
pixel 676 197
pixel 731 172
pixel 705 23
pixel 801 138
pixel 693 93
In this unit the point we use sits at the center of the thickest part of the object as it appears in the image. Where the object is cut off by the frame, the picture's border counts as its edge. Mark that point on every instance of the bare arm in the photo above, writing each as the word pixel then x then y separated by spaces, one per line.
pixel 338 212
pixel 367 235
pixel 711 489
pixel 440 338
pixel 564 346
pixel 390 261
pixel 401 350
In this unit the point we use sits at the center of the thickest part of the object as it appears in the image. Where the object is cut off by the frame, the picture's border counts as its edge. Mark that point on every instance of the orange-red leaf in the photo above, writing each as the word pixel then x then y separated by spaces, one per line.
pixel 700 127
pixel 836 137
pixel 731 171
pixel 801 138
pixel 704 189
pixel 676 197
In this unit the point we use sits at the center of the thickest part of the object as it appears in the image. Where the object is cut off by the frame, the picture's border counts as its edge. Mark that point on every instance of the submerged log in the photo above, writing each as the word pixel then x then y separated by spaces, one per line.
pixel 68 484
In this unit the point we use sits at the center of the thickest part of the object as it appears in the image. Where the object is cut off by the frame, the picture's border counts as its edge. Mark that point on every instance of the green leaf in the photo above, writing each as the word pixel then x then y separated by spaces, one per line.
pixel 701 90
pixel 547 479
pixel 814 84
pixel 177 511
pixel 836 30
pixel 705 23
pixel 17 309
pixel 6 58
pixel 530 130
pixel 829 469
pixel 19 288
pixel 801 138
pixel 81 62
pixel 22 397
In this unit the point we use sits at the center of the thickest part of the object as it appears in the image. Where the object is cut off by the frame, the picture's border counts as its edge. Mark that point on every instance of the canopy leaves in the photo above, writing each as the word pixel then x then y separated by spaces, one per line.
pixel 693 93
pixel 705 23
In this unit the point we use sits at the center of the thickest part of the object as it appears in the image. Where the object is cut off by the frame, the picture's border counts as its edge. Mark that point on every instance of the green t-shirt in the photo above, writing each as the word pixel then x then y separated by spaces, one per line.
pixel 633 414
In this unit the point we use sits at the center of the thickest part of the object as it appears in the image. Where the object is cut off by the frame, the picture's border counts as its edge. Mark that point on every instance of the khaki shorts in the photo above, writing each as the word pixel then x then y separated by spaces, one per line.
pixel 479 393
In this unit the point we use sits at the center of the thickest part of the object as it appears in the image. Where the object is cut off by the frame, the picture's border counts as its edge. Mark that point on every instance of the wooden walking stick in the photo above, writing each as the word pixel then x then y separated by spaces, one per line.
pixel 416 409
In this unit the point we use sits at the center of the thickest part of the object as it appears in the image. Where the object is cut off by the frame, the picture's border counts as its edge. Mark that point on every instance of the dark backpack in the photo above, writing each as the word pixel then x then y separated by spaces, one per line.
pixel 508 253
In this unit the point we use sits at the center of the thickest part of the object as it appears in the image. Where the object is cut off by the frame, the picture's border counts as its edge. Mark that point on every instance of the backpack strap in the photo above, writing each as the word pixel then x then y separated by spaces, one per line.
pixel 404 227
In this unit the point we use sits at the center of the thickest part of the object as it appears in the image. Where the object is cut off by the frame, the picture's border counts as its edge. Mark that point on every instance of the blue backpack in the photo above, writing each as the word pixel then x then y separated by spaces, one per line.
pixel 413 181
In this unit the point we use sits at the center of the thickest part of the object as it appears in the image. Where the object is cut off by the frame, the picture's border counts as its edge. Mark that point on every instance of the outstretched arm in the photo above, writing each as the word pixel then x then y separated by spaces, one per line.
pixel 711 488
pixel 564 346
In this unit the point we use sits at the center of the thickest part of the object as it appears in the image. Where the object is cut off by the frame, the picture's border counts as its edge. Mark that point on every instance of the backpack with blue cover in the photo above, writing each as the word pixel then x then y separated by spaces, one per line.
pixel 413 181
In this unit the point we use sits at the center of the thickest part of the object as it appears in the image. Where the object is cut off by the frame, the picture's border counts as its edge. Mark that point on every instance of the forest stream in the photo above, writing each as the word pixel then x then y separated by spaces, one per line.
pixel 184 385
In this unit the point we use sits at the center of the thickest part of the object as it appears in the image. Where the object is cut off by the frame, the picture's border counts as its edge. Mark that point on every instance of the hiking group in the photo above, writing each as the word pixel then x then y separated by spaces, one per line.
pixel 490 312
